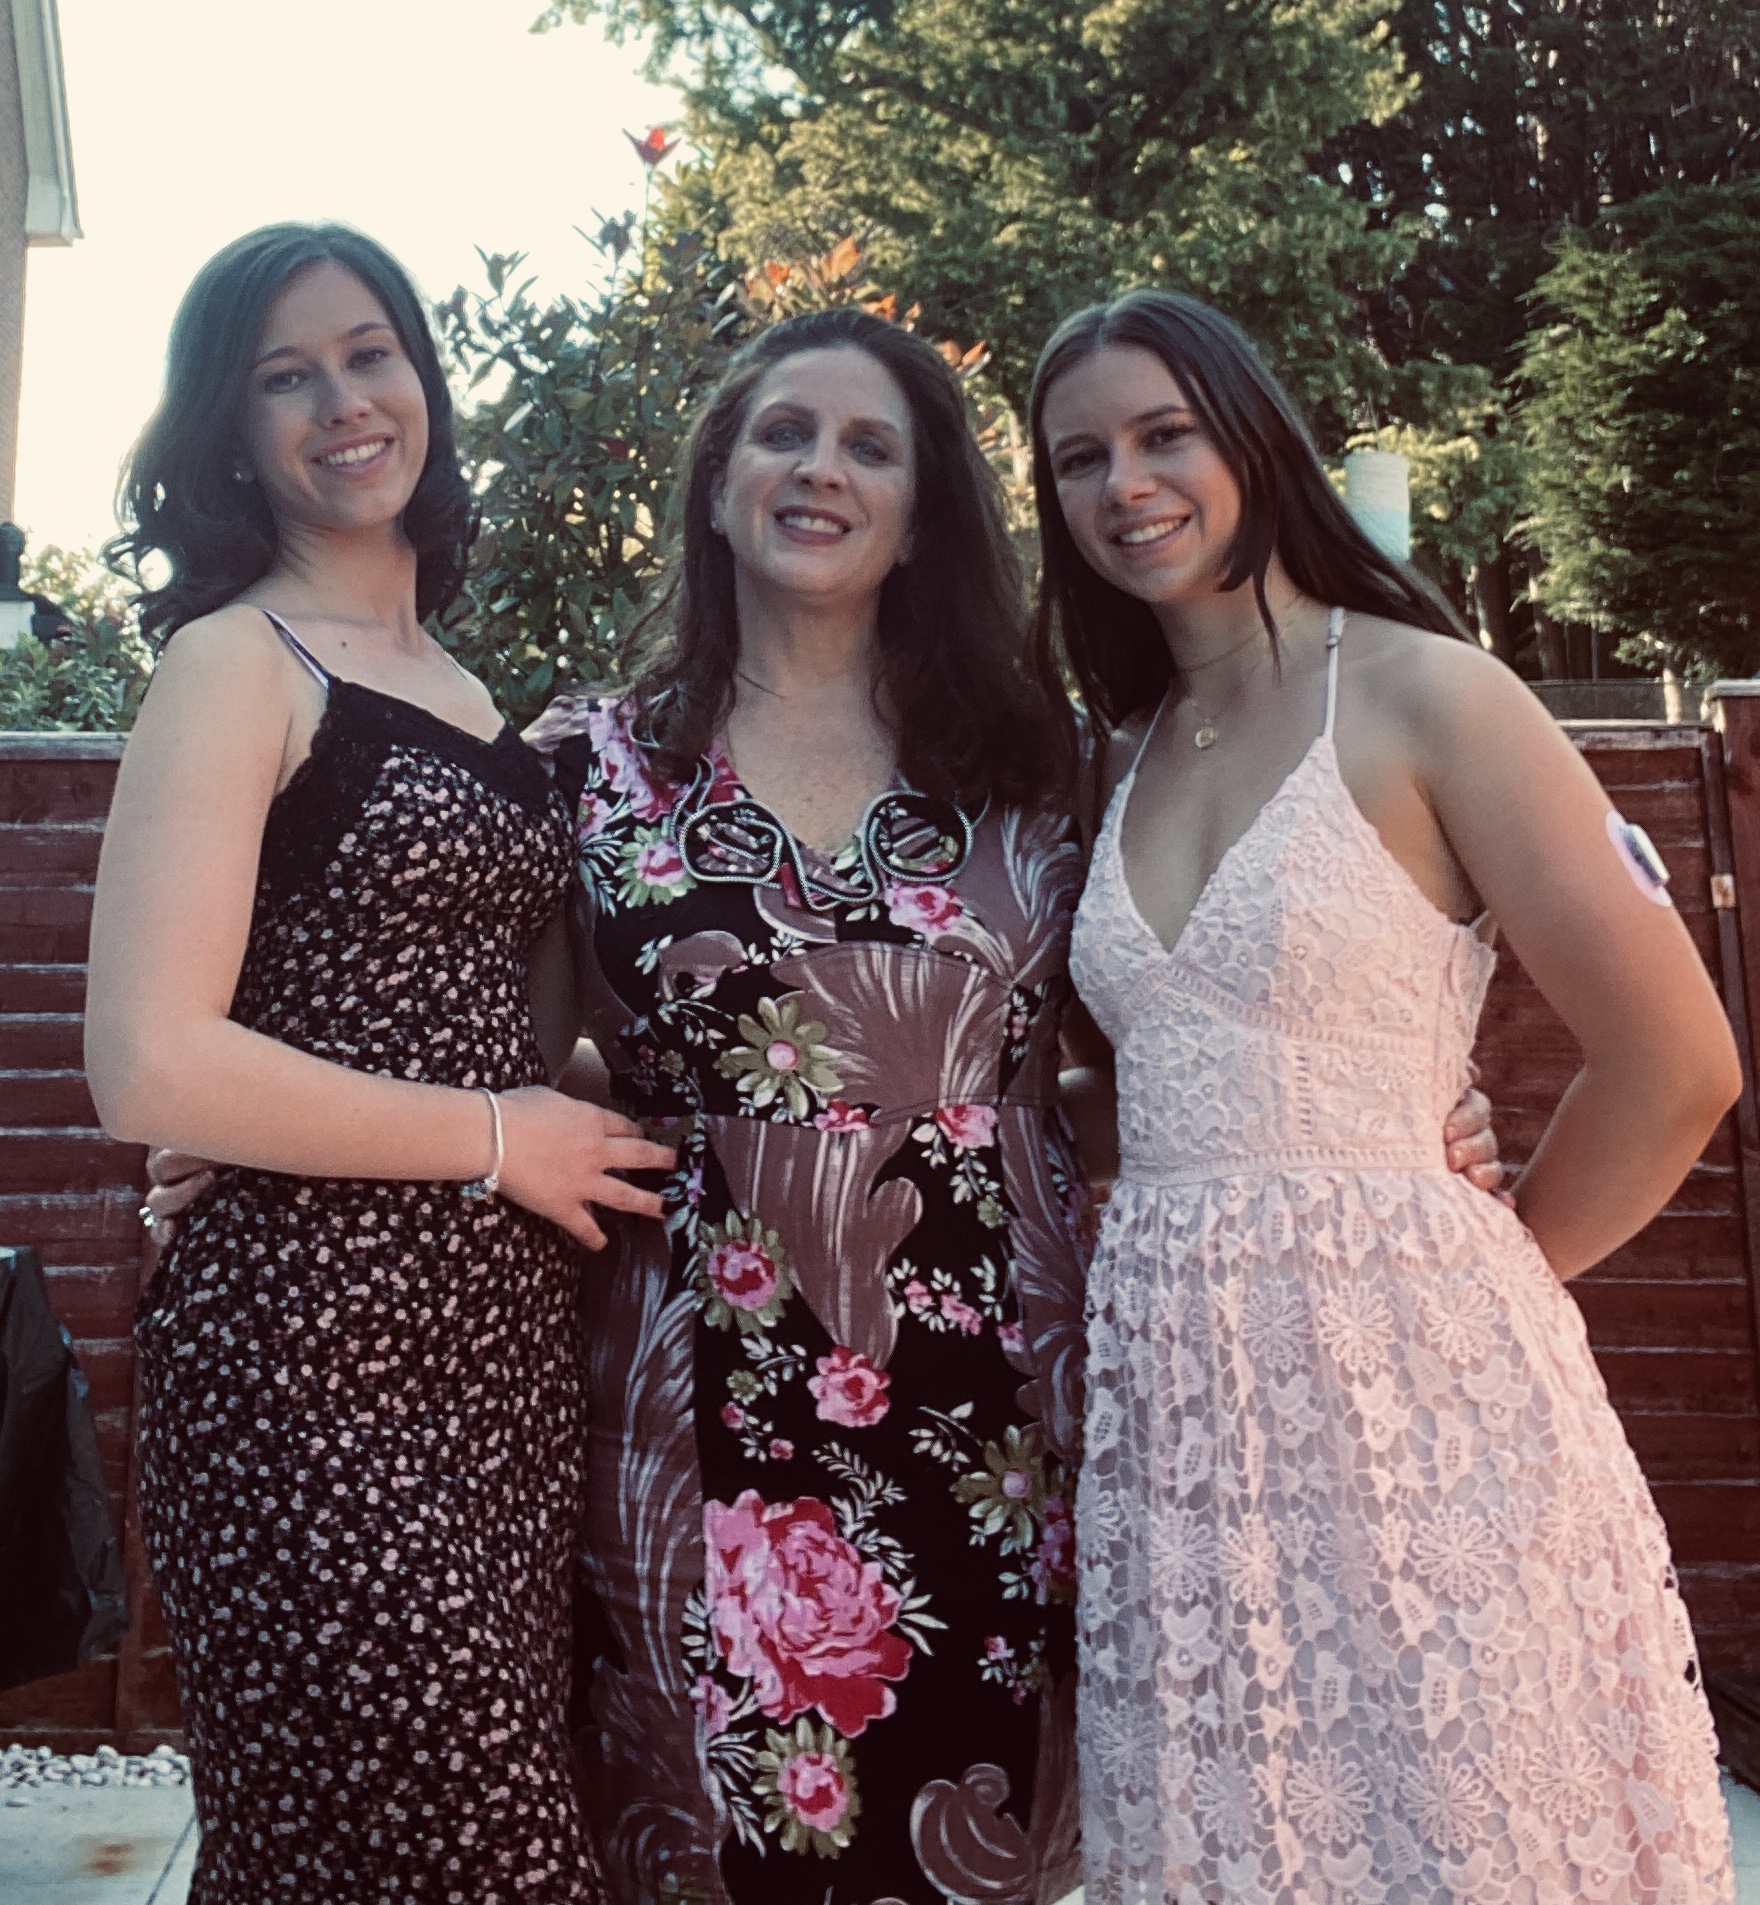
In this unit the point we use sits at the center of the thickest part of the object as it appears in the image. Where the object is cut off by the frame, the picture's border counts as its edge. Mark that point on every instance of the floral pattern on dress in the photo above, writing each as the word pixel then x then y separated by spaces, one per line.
pixel 836 1392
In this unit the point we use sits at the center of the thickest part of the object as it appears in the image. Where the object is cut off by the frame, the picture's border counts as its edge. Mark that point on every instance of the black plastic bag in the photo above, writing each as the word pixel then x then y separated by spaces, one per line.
pixel 63 1592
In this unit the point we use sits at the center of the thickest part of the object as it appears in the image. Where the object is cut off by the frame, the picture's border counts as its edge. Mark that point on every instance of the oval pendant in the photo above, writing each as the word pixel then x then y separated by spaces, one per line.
pixel 1205 736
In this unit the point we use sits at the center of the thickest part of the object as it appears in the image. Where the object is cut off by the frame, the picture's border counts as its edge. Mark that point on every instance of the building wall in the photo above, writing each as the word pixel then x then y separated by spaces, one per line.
pixel 13 188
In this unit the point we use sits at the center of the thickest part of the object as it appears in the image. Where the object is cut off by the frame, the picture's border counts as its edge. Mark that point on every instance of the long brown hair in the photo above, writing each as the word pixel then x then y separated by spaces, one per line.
pixel 973 713
pixel 1111 641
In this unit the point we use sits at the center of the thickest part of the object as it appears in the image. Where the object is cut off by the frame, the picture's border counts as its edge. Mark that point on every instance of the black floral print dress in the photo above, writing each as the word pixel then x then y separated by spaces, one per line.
pixel 360 1435
pixel 834 1399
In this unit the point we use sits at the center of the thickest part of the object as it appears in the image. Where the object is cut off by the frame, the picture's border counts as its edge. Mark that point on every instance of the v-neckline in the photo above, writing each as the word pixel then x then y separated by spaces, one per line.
pixel 1123 797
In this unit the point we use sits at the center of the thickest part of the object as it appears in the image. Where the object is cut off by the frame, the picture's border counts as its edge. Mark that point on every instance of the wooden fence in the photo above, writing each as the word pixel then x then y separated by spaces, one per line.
pixel 1672 1316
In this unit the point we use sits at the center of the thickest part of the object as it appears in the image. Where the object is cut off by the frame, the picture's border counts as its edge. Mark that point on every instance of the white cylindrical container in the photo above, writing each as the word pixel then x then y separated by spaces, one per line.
pixel 1378 494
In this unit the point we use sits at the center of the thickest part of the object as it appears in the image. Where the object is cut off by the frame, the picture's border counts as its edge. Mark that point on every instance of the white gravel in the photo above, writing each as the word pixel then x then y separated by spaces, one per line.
pixel 25 1770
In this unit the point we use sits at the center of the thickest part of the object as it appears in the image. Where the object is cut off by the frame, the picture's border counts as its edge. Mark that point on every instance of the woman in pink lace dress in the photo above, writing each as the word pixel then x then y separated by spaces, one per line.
pixel 1374 1603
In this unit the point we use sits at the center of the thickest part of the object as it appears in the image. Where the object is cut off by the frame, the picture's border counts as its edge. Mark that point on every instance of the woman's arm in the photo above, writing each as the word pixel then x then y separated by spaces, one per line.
pixel 171 916
pixel 1528 823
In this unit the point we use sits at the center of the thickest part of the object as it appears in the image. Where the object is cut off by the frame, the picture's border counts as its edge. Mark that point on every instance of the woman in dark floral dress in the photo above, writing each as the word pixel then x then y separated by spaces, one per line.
pixel 326 865
pixel 833 1399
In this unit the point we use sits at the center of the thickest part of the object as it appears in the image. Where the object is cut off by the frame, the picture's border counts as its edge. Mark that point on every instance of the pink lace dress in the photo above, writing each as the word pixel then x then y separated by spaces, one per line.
pixel 1375 1607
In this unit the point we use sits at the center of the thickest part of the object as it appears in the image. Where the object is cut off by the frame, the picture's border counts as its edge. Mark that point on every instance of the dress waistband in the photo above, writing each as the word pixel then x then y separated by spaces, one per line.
pixel 1161 1174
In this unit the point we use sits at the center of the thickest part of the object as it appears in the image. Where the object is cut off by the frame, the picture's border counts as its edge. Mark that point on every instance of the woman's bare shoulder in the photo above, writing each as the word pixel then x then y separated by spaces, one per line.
pixel 232 652
pixel 1420 674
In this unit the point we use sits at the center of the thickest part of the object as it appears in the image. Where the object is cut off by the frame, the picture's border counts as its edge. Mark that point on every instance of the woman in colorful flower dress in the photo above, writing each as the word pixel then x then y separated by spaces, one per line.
pixel 828 877
pixel 834 1403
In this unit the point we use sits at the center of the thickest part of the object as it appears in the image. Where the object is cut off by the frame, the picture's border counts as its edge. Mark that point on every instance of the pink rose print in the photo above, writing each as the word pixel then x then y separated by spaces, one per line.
pixel 919 1299
pixel 995 1648
pixel 849 1389
pixel 837 1116
pixel 923 909
pixel 742 1273
pixel 781 1449
pixel 967 1127
pixel 1054 1564
pixel 794 1606
pixel 961 1314
pixel 1012 1338
pixel 713 1704
pixel 625 767
pixel 660 863
pixel 733 1415
pixel 815 1790
pixel 593 816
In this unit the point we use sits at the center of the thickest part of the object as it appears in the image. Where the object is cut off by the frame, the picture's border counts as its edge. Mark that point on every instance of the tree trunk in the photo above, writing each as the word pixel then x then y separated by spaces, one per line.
pixel 1549 639
pixel 1491 592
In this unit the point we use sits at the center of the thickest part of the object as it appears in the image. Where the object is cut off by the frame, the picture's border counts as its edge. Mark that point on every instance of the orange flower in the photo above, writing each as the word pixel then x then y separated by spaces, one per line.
pixel 654 147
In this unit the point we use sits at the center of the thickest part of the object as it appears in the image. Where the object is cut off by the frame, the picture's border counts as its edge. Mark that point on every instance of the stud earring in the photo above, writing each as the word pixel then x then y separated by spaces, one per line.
pixel 243 476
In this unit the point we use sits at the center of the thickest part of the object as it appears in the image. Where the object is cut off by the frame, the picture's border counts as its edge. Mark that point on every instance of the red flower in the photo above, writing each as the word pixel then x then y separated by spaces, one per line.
pixel 924 909
pixel 839 1116
pixel 849 1389
pixel 794 1606
pixel 652 149
pixel 815 1790
pixel 743 1273
pixel 733 1415
pixel 967 1127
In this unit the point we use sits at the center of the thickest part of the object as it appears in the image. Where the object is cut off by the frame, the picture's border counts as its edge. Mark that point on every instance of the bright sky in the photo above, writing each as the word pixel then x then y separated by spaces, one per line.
pixel 435 125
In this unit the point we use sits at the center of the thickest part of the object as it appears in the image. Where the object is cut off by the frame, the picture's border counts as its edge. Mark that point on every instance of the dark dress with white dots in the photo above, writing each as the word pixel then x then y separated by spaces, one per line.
pixel 361 1436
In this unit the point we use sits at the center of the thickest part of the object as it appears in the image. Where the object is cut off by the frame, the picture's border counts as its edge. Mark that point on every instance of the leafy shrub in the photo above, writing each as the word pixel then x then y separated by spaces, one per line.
pixel 573 442
pixel 89 680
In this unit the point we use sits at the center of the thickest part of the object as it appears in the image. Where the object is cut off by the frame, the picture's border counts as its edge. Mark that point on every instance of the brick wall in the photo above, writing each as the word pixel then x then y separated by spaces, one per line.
pixel 71 1193
pixel 1671 1316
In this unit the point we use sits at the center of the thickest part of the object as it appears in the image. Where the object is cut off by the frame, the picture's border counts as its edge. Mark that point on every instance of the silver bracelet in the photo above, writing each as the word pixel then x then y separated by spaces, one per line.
pixel 487 1186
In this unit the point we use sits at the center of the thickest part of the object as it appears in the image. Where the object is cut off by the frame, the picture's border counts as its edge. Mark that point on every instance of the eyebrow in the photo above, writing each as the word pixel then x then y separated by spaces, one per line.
pixel 292 350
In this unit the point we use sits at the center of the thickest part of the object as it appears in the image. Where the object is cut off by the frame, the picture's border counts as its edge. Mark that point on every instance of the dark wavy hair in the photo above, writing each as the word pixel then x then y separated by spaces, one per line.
pixel 974 714
pixel 178 498
pixel 1111 641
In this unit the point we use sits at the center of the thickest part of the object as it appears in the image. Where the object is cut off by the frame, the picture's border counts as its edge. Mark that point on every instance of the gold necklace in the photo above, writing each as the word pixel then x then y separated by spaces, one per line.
pixel 1209 729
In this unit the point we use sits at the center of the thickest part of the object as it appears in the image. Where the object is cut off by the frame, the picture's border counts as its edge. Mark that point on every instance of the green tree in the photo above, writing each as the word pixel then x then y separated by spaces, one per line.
pixel 581 408
pixel 1527 118
pixel 1643 428
pixel 1008 161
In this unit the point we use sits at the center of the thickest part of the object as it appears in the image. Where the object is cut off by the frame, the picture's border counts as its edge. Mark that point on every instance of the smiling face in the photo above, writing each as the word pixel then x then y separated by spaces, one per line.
pixel 335 423
pixel 819 493
pixel 1148 499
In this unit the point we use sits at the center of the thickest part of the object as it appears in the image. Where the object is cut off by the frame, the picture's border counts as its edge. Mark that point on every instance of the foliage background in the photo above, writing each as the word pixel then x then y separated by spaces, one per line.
pixel 1513 239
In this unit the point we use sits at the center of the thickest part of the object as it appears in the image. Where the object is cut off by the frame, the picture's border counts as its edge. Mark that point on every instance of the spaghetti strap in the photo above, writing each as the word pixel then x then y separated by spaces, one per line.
pixel 1334 635
pixel 322 674
pixel 1148 736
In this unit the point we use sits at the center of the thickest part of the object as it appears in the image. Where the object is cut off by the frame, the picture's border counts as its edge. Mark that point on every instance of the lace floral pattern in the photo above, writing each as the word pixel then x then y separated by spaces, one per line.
pixel 1375 1606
